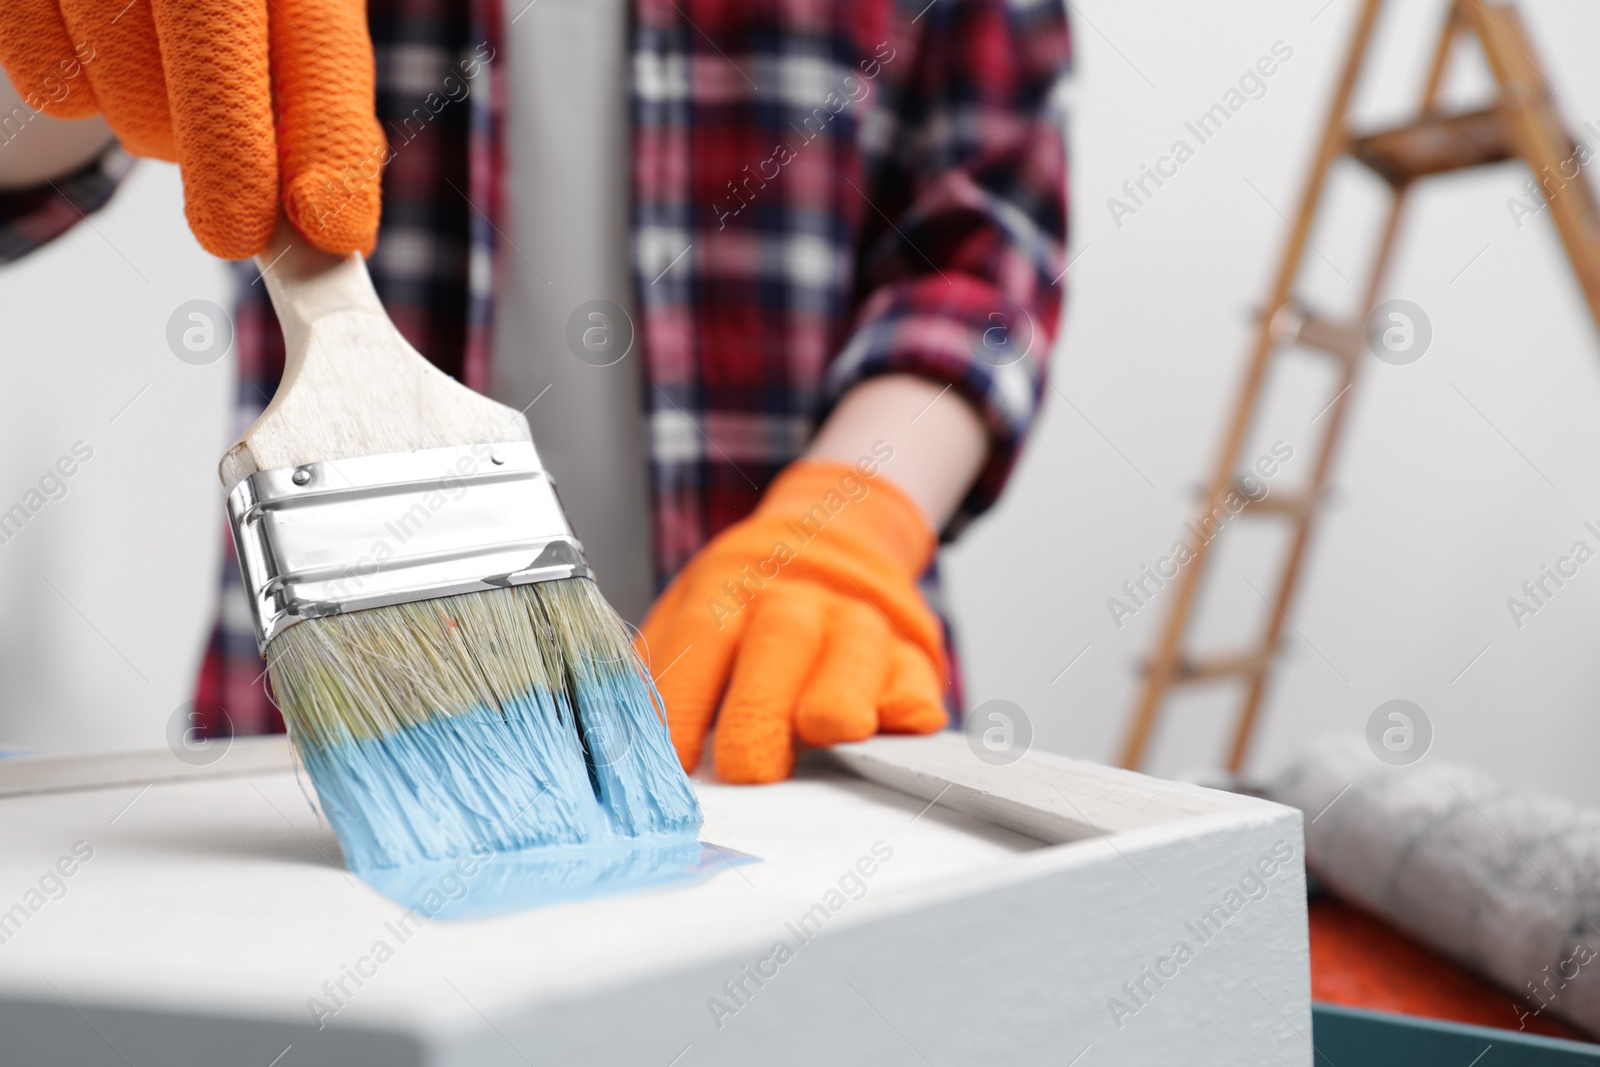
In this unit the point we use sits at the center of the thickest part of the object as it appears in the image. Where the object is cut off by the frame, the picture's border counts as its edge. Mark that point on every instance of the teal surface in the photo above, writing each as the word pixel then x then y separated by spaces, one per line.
pixel 1350 1037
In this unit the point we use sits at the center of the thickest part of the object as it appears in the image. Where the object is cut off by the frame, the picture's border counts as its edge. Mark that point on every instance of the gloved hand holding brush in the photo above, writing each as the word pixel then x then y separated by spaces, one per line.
pixel 805 619
pixel 255 102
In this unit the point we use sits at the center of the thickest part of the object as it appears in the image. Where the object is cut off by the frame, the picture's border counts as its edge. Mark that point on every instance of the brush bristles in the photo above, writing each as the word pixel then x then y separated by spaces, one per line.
pixel 506 720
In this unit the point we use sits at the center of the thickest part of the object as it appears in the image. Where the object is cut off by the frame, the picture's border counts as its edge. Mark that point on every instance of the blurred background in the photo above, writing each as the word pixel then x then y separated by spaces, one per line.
pixel 1462 475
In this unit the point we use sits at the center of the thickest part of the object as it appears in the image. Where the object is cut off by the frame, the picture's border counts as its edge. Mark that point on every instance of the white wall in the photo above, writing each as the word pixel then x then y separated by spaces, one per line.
pixel 109 590
pixel 1437 520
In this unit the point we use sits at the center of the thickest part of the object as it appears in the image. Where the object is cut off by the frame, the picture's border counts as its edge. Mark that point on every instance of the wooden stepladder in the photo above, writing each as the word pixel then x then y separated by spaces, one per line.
pixel 1522 124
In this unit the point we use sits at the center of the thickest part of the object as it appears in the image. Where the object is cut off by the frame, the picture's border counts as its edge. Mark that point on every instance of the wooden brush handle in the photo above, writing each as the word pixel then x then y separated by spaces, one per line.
pixel 307 284
pixel 352 385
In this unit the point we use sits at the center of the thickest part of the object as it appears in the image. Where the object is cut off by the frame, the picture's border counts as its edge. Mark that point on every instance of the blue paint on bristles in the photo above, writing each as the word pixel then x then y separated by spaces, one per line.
pixel 509 720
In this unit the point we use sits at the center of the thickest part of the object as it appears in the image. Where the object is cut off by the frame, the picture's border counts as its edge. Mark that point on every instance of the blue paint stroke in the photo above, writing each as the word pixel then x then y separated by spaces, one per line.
pixel 484 884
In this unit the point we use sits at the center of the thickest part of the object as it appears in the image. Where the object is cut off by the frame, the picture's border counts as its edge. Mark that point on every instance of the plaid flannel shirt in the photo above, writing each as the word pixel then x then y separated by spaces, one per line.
pixel 822 192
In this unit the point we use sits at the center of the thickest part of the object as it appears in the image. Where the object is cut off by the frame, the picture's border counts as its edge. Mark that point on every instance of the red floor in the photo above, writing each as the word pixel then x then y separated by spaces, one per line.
pixel 1362 962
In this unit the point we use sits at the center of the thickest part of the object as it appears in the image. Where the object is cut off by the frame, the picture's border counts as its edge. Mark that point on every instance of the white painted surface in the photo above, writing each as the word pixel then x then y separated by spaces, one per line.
pixel 226 757
pixel 969 942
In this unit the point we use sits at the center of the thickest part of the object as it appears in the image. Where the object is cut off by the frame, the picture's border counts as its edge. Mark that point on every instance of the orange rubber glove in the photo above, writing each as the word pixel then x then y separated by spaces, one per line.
pixel 808 617
pixel 196 81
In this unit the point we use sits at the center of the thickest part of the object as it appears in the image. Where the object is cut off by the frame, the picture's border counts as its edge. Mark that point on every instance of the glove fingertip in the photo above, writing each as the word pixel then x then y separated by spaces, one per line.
pixel 688 754
pixel 821 725
pixel 759 759
pixel 231 224
pixel 336 212
pixel 913 702
pixel 913 717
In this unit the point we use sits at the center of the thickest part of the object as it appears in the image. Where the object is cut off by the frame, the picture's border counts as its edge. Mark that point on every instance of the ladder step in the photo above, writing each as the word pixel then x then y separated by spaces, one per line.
pixel 1247 663
pixel 1436 144
pixel 1281 502
pixel 1288 503
pixel 1292 324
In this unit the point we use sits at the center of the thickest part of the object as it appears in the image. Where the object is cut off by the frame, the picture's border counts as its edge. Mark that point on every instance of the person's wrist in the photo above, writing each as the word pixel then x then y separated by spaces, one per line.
pixel 815 496
pixel 938 441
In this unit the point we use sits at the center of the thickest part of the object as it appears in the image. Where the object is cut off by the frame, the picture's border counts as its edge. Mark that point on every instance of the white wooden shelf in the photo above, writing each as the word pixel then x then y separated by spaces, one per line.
pixel 1014 905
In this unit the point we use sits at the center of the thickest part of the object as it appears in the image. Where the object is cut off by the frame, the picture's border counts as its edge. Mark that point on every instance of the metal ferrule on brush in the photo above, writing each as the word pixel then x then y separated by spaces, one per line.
pixel 339 536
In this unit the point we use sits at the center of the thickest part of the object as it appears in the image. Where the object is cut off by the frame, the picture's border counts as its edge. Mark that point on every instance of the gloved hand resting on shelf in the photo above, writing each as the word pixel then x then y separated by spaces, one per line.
pixel 804 619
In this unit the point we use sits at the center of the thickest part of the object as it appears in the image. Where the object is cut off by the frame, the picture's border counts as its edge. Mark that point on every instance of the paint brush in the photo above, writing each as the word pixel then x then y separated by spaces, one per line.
pixel 451 676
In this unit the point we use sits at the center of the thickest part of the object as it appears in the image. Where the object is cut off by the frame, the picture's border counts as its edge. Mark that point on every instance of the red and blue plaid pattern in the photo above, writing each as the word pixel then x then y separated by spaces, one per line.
pixel 826 191
pixel 31 218
pixel 823 191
